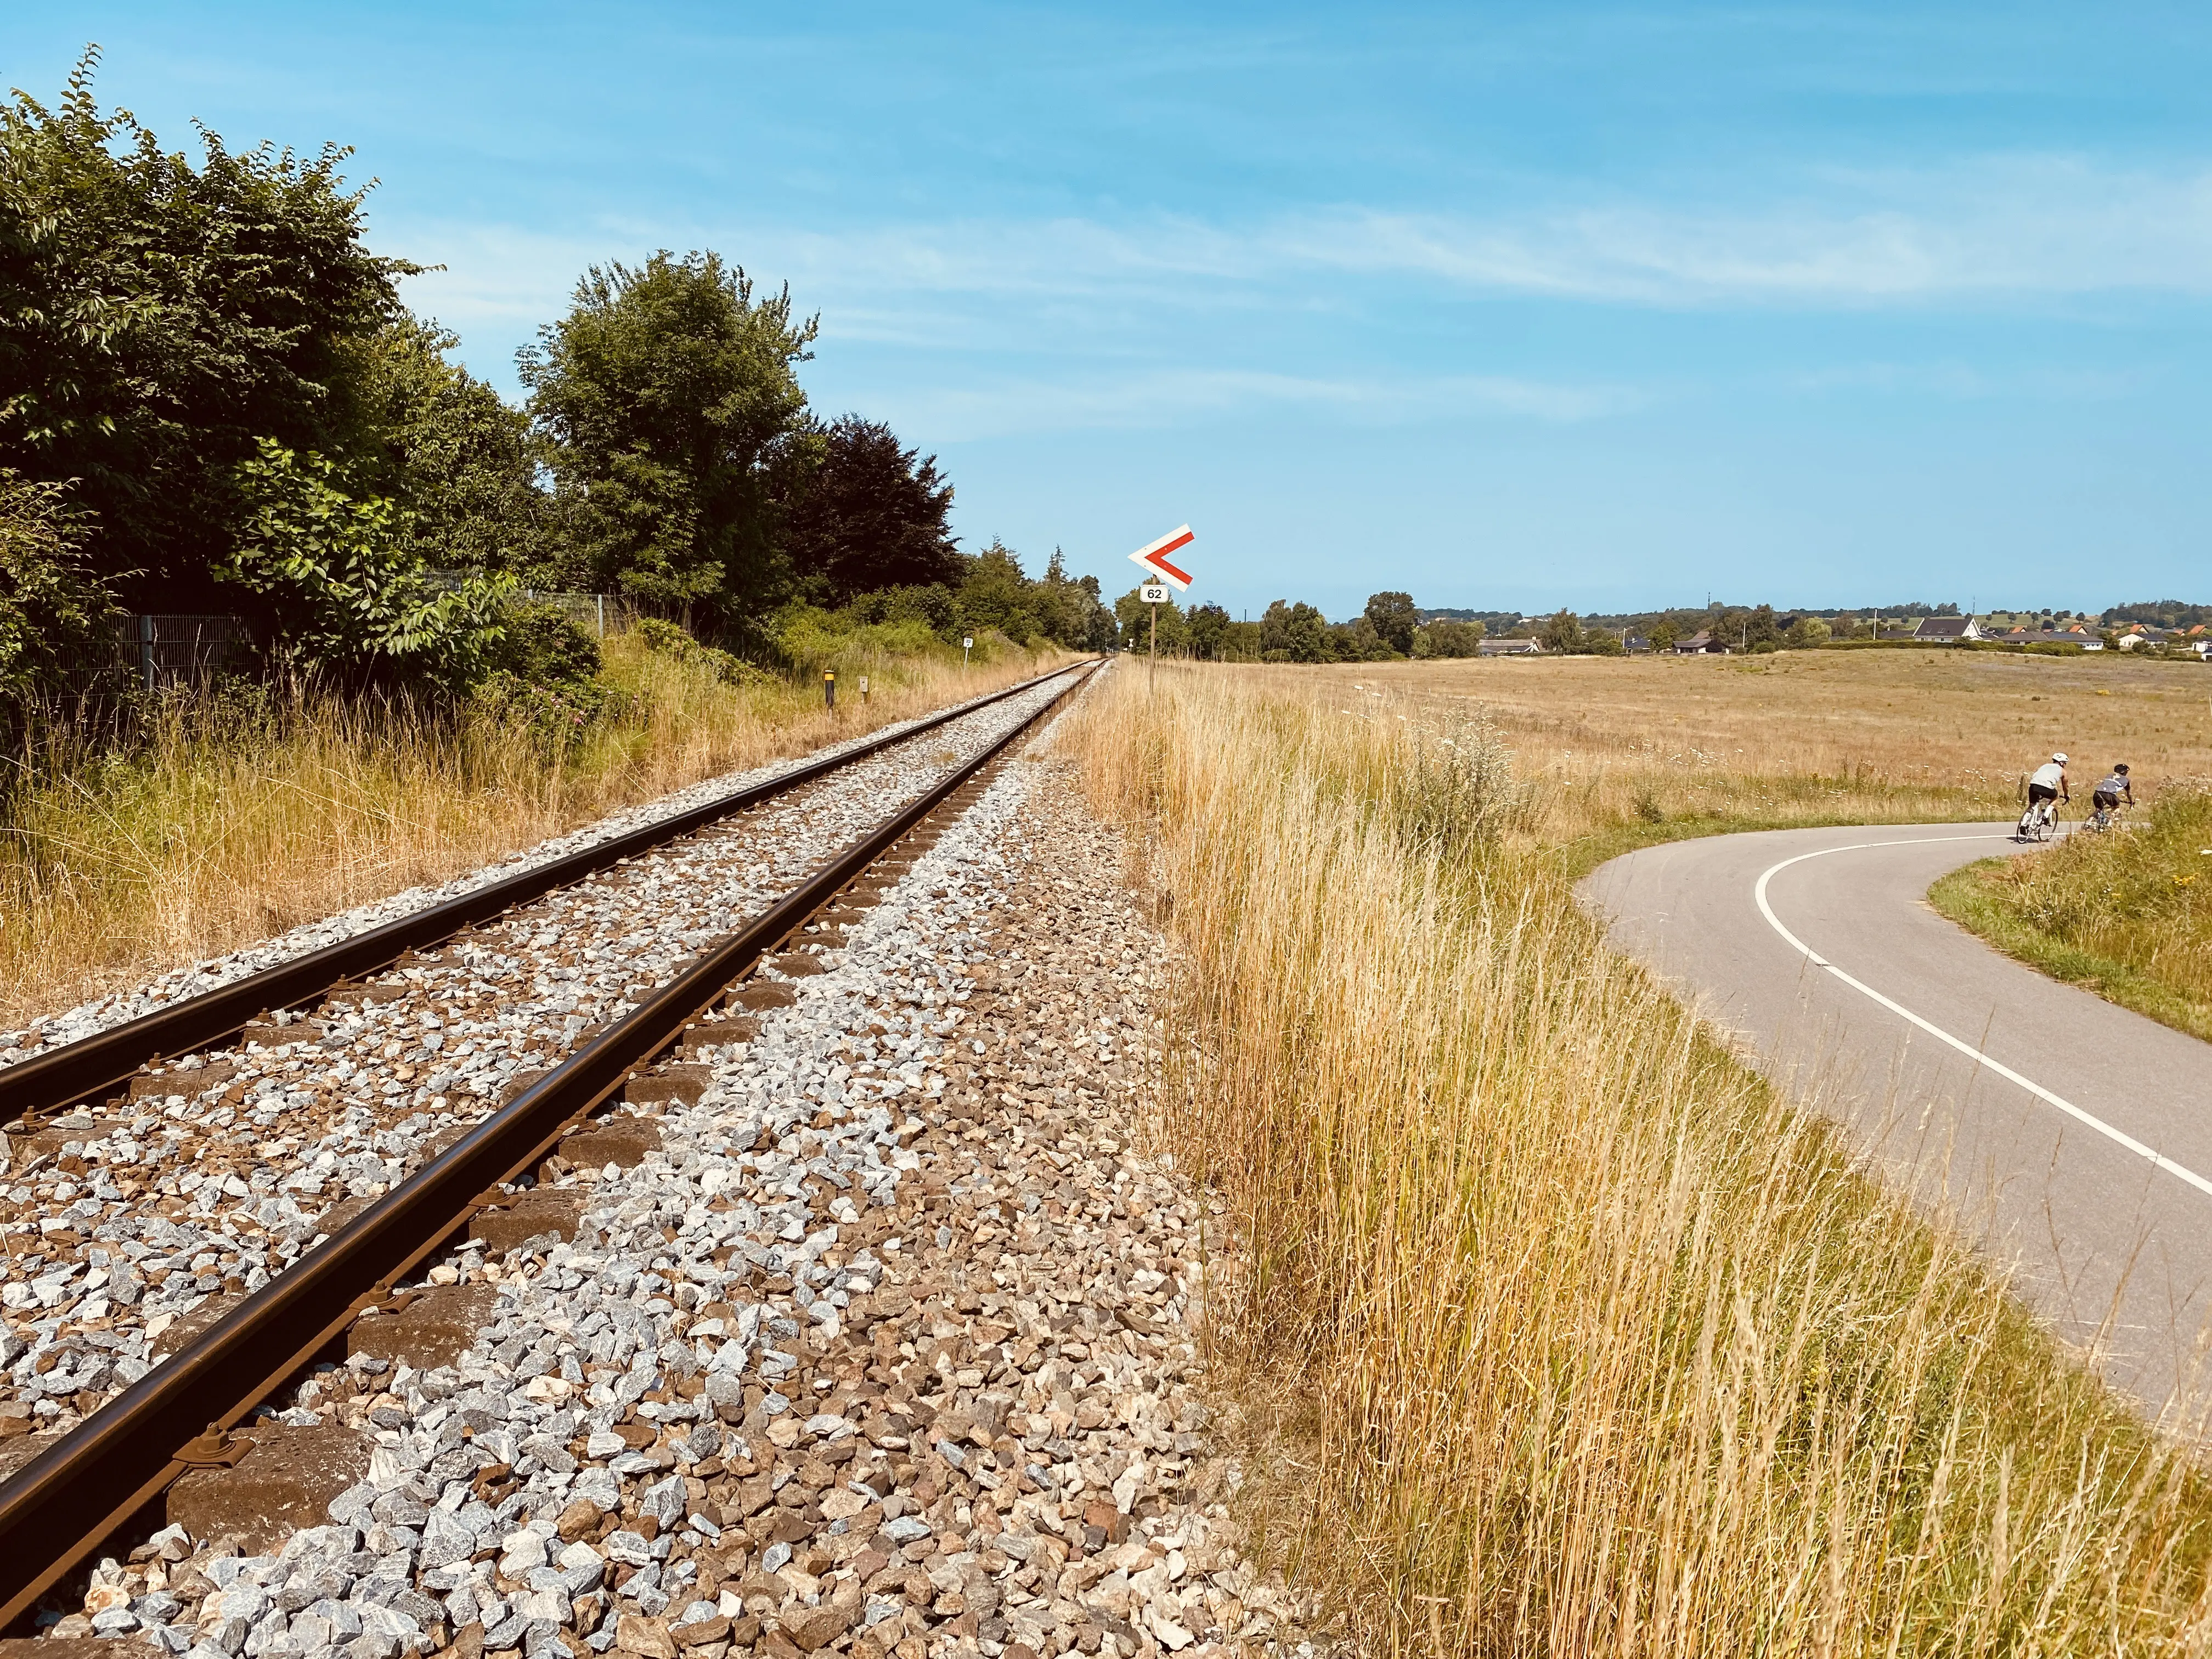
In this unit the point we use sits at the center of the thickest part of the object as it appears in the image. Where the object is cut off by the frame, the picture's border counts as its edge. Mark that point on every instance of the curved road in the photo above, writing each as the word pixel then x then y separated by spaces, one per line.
pixel 2071 1137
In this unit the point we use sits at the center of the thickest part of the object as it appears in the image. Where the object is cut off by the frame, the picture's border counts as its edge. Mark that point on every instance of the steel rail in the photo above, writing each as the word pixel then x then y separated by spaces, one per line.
pixel 79 1071
pixel 60 1507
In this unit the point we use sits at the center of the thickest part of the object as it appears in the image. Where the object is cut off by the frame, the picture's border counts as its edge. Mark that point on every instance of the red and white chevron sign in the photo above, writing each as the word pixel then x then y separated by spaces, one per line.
pixel 1154 558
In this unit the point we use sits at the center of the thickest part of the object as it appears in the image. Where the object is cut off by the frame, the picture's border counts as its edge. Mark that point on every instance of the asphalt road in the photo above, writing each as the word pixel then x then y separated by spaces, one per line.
pixel 2070 1137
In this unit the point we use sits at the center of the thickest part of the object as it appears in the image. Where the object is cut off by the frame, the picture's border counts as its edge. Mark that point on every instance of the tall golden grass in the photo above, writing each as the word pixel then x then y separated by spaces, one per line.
pixel 1607 1350
pixel 2127 914
pixel 228 822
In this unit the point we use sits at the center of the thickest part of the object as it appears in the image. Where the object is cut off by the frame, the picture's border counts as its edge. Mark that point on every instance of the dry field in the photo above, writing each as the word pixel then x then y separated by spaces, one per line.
pixel 1564 1335
pixel 231 824
pixel 1800 737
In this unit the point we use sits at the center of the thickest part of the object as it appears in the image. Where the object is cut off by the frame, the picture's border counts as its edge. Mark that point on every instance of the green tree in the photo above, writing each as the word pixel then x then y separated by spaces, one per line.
pixel 861 512
pixel 1662 637
pixel 1135 618
pixel 1394 620
pixel 995 594
pixel 1069 609
pixel 1808 632
pixel 671 403
pixel 1209 631
pixel 1307 630
pixel 452 453
pixel 1562 631
pixel 158 318
pixel 1448 638
pixel 57 614
pixel 1357 641
pixel 348 582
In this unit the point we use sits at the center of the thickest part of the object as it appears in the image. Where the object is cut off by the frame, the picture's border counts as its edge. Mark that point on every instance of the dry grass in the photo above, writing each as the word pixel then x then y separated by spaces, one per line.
pixel 1624 750
pixel 232 822
pixel 1607 1350
pixel 2126 914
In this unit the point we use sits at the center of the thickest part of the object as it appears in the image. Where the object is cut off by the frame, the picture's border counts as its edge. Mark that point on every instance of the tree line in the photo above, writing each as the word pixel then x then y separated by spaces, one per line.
pixel 1392 627
pixel 213 400
pixel 1388 629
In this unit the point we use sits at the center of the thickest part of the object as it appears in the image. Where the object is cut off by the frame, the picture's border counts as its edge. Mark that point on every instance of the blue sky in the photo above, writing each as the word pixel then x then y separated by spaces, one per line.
pixel 1511 307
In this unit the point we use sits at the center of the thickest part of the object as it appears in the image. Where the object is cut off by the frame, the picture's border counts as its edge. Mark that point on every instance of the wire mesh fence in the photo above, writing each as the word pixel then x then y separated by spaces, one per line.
pixel 158 652
pixel 153 652
pixel 599 613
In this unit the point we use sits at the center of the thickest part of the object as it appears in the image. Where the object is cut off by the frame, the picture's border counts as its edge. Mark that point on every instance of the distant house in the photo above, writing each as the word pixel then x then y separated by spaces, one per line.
pixel 1509 648
pixel 1633 643
pixel 2080 637
pixel 1701 644
pixel 1947 629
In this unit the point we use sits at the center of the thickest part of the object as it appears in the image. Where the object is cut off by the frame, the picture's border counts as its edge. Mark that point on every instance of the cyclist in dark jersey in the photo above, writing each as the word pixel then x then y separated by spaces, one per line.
pixel 2115 785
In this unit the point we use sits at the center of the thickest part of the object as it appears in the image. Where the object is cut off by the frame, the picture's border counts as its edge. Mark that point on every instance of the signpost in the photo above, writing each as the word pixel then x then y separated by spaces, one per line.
pixel 966 639
pixel 1153 560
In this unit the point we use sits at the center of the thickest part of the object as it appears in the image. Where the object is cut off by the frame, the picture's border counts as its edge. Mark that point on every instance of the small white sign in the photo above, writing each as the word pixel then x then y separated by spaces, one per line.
pixel 966 642
pixel 1153 592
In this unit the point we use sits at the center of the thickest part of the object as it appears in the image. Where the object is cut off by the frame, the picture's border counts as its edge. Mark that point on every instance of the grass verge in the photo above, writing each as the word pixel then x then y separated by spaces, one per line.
pixel 1607 1349
pixel 2127 915
pixel 232 819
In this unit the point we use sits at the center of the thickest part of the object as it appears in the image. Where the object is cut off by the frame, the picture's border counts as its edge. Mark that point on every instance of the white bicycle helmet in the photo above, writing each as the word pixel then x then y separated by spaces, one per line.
pixel 2059 759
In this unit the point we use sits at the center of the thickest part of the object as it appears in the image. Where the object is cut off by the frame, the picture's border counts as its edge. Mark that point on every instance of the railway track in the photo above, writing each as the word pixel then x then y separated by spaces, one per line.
pixel 446 1149
pixel 42 1085
pixel 132 1223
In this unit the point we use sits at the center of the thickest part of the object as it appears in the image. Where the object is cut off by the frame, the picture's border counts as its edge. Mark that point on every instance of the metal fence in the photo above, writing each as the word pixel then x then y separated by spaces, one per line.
pixel 600 612
pixel 597 611
pixel 153 652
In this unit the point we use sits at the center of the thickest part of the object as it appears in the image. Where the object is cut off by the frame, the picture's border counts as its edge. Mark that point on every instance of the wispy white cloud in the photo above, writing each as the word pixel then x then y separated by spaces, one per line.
pixel 1967 382
pixel 994 407
pixel 2015 228
pixel 2021 228
pixel 991 325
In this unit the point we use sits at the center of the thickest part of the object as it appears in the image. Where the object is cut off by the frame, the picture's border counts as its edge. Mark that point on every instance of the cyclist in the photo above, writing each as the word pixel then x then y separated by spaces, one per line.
pixel 2105 800
pixel 2046 784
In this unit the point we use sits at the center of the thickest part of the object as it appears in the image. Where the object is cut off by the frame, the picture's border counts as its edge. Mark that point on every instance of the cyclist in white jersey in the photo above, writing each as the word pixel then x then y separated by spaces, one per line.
pixel 2046 784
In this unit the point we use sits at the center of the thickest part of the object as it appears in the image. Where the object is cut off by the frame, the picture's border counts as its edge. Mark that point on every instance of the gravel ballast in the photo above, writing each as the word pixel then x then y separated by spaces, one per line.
pixel 889 1346
pixel 122 1229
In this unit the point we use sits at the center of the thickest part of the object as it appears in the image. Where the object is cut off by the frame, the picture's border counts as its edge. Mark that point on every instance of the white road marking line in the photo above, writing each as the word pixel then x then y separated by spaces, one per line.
pixel 1936 1031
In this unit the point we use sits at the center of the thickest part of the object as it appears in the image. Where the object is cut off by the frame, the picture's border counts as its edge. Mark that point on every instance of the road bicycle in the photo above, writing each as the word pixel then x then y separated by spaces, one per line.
pixel 2038 823
pixel 2102 818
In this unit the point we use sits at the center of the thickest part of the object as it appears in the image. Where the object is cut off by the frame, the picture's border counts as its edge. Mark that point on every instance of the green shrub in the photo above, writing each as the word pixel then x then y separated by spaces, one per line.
pixel 810 640
pixel 351 588
pixel 55 611
pixel 670 641
pixel 933 607
pixel 543 646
